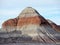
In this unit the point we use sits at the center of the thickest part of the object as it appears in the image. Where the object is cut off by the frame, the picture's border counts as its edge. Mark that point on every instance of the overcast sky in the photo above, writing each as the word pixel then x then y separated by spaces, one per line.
pixel 50 9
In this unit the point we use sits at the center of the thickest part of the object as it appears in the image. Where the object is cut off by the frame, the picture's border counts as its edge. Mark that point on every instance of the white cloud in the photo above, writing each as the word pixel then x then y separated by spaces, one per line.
pixel 29 2
pixel 8 12
pixel 48 11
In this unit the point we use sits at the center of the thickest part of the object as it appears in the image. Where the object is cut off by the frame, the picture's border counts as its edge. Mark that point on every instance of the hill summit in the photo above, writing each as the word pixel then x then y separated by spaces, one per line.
pixel 29 12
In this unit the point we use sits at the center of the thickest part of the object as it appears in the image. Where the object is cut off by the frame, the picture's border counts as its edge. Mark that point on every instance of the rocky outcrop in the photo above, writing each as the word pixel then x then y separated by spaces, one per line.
pixel 54 26
pixel 26 17
pixel 10 25
pixel 31 23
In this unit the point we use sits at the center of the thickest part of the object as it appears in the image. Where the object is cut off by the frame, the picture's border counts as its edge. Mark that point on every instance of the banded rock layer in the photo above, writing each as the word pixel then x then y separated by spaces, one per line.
pixel 26 17
pixel 31 23
pixel 54 26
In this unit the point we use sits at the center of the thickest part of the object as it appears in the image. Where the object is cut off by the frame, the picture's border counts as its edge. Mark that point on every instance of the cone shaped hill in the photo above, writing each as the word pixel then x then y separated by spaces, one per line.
pixel 30 22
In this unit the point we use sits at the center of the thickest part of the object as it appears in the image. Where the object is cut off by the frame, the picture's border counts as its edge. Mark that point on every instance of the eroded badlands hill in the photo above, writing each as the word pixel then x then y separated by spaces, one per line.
pixel 31 23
